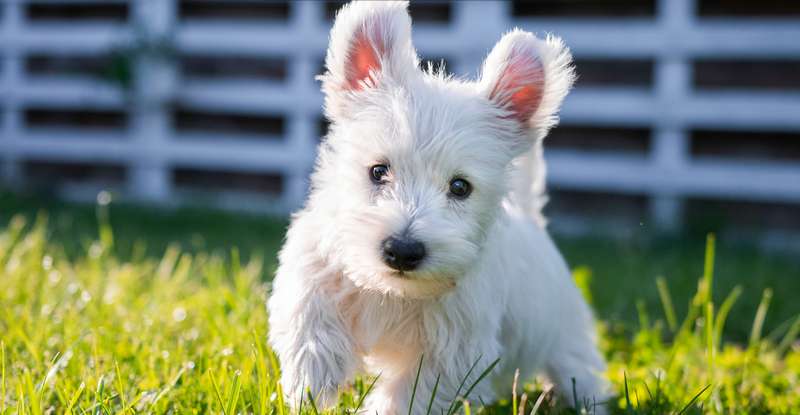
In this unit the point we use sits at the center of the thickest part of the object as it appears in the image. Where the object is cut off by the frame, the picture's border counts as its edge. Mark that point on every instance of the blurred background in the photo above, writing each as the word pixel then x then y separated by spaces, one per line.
pixel 686 112
pixel 685 120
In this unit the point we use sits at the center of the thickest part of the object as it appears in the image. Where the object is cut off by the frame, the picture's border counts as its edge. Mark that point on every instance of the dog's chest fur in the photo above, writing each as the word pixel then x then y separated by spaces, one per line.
pixel 392 329
pixel 379 321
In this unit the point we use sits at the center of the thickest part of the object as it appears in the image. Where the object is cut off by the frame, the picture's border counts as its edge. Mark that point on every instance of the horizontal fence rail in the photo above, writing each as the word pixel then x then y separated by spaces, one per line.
pixel 164 100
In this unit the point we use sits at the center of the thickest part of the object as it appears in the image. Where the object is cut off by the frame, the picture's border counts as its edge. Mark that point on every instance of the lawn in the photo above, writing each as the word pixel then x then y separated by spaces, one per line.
pixel 109 309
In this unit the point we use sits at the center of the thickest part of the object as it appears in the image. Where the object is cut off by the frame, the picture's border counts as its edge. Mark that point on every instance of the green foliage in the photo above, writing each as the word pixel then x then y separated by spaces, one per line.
pixel 103 327
pixel 664 367
pixel 184 332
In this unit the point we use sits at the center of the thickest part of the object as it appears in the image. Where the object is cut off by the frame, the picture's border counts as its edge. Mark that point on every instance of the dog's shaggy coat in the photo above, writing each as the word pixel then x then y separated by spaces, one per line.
pixel 491 285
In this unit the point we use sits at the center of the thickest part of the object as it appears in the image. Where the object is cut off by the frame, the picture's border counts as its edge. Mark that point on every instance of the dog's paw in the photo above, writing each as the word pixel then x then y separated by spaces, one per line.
pixel 324 393
pixel 315 373
pixel 380 403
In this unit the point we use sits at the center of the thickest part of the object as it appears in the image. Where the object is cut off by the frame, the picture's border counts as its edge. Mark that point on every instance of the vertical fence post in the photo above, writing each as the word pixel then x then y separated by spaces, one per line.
pixel 476 25
pixel 302 120
pixel 11 79
pixel 154 83
pixel 672 87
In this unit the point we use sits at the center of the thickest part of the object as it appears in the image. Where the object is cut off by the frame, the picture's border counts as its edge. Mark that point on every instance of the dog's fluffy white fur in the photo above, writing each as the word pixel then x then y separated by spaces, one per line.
pixel 492 284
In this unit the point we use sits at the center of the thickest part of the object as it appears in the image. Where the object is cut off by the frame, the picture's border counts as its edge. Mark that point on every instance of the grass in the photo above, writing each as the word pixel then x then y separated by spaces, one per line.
pixel 164 312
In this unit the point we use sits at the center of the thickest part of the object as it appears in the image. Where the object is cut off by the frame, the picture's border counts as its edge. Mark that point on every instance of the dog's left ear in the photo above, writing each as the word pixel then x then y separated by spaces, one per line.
pixel 529 78
pixel 370 45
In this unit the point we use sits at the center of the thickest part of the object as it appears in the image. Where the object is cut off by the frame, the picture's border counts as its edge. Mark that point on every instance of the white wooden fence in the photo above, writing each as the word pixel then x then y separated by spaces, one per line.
pixel 150 151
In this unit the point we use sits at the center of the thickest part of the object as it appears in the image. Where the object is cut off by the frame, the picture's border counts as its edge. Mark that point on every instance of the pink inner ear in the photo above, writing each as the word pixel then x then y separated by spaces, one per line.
pixel 520 86
pixel 362 59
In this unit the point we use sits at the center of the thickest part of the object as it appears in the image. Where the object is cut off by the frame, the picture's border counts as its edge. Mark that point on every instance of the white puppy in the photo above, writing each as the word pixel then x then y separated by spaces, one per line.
pixel 422 234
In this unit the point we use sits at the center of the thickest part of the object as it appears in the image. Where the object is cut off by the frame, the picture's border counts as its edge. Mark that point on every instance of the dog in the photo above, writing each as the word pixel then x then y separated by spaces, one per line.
pixel 421 252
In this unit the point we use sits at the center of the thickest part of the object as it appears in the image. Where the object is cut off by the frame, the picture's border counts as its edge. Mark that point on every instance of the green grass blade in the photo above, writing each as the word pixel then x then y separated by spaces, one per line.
pixel 75 396
pixel 628 404
pixel 693 400
pixel 2 376
pixel 165 390
pixel 724 310
pixel 710 347
pixel 433 395
pixel 98 395
pixel 104 222
pixel 34 401
pixel 300 406
pixel 233 398
pixel 758 321
pixel 416 383
pixel 790 337
pixel 120 388
pixel 779 331
pixel 311 401
pixel 20 399
pixel 483 375
pixel 281 402
pixel 666 302
pixel 262 378
pixel 450 409
pixel 708 268
pixel 644 318
pixel 366 392
pixel 273 361
pixel 217 392
pixel 658 389
pixel 575 403
pixel 704 290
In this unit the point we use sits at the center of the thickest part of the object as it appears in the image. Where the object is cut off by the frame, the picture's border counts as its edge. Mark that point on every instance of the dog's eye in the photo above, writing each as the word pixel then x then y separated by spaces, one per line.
pixel 460 188
pixel 378 172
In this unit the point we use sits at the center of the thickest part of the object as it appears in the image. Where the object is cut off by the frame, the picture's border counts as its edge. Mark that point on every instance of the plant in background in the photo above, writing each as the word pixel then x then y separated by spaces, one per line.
pixel 121 67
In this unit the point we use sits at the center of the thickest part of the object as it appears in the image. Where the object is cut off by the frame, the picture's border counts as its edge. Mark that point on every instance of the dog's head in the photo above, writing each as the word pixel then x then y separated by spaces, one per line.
pixel 416 163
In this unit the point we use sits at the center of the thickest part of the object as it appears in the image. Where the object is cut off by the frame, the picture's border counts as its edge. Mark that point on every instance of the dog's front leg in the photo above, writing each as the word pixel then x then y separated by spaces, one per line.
pixel 315 349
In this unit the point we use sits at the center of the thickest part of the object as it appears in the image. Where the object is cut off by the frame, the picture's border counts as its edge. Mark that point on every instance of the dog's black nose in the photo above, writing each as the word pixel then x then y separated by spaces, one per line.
pixel 402 253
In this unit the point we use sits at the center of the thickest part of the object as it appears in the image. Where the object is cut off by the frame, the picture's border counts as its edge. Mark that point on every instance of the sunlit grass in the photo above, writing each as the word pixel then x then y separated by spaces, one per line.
pixel 185 332
pixel 666 363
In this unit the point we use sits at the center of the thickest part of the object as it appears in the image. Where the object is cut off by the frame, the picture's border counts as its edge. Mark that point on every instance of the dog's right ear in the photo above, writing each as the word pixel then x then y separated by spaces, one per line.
pixel 370 44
